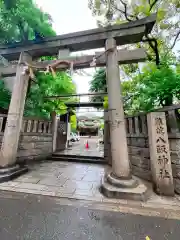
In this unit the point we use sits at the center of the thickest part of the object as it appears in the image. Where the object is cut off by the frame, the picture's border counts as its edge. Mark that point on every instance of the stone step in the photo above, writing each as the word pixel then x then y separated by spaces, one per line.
pixel 9 173
pixel 75 158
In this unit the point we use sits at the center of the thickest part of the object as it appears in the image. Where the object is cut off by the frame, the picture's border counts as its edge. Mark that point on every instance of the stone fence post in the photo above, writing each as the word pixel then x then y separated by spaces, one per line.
pixel 160 154
pixel 54 130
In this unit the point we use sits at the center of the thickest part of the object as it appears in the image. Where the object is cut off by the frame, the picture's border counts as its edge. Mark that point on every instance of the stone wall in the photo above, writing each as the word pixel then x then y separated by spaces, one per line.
pixel 35 140
pixel 137 137
pixel 138 146
pixel 173 125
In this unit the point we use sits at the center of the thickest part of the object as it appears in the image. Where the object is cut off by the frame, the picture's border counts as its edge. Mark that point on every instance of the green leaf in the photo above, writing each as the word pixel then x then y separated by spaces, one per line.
pixel 161 14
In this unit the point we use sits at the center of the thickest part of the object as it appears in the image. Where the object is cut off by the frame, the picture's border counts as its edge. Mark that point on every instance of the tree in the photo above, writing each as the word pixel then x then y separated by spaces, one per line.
pixel 73 121
pixel 158 85
pixel 98 84
pixel 22 20
pixel 37 104
pixel 46 85
pixel 178 68
pixel 154 87
pixel 166 32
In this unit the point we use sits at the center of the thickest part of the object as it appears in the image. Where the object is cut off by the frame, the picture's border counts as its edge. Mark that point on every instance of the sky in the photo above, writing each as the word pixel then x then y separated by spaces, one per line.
pixel 71 16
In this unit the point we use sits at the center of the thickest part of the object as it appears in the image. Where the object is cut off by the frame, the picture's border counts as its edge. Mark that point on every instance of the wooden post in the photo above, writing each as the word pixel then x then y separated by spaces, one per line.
pixel 160 154
pixel 15 114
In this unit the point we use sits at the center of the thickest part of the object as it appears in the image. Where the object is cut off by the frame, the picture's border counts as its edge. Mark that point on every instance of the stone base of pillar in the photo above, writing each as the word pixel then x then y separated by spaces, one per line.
pixel 131 189
pixel 9 173
pixel 121 183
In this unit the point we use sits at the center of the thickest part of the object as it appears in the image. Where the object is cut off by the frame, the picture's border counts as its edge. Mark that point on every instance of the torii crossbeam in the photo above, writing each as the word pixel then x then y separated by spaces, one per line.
pixel 81 62
pixel 126 33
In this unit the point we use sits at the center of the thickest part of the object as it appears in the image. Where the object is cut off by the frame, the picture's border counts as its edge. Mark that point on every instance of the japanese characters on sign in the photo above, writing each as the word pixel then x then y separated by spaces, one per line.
pixel 161 149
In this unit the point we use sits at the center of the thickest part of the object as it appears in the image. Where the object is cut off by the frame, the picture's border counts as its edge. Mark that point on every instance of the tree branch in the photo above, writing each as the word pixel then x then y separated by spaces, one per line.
pixel 153 47
pixel 123 12
pixel 125 8
pixel 128 17
pixel 149 57
pixel 176 38
pixel 152 4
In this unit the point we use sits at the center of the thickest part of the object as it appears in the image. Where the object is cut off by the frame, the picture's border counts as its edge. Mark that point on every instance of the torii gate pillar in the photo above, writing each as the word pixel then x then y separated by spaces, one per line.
pixel 8 153
pixel 119 182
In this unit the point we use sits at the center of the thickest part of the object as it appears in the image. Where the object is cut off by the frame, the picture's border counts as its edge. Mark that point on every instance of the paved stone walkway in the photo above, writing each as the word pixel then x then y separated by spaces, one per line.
pixel 79 181
pixel 78 148
pixel 60 179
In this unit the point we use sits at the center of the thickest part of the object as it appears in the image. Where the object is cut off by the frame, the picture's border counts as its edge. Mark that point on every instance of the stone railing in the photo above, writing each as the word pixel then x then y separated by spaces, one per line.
pixel 136 125
pixel 33 125
pixel 35 141
pixel 29 125
pixel 3 119
pixel 137 139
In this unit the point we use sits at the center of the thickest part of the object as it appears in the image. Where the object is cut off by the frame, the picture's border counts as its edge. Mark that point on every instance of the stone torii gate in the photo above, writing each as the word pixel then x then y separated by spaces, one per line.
pixel 119 181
